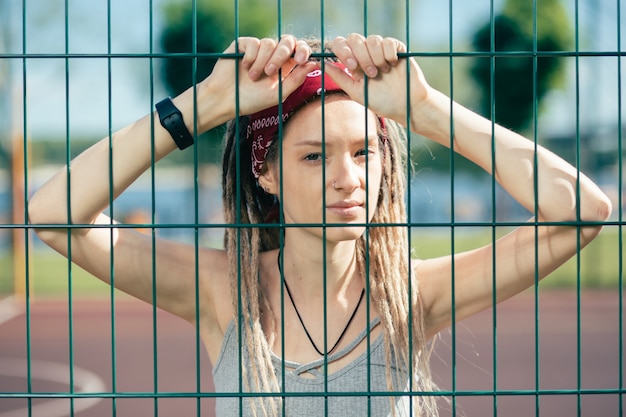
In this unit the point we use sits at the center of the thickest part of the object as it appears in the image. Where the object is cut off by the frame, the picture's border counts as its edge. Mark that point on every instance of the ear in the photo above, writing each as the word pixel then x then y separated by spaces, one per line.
pixel 269 181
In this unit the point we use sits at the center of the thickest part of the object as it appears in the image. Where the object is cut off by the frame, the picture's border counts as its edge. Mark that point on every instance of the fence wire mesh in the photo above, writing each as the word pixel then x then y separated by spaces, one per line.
pixel 71 72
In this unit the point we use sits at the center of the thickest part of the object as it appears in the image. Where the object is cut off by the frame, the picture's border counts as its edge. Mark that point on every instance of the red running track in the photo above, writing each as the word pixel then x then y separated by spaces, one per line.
pixel 562 362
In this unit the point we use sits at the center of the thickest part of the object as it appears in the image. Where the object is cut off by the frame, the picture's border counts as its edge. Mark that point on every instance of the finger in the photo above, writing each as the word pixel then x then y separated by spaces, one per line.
pixel 358 45
pixel 266 49
pixel 391 48
pixel 346 82
pixel 296 77
pixel 375 48
pixel 281 54
pixel 250 48
pixel 343 52
pixel 302 52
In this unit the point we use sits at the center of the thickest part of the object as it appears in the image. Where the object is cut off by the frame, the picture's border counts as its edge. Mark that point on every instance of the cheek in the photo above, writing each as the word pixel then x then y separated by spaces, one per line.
pixel 374 176
pixel 301 193
pixel 374 186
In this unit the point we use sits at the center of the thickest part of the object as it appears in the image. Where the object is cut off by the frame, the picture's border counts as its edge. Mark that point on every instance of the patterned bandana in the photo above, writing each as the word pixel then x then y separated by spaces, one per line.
pixel 263 126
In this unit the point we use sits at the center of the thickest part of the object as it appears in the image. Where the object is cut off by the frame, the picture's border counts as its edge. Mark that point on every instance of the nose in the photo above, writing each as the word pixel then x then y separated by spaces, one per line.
pixel 347 175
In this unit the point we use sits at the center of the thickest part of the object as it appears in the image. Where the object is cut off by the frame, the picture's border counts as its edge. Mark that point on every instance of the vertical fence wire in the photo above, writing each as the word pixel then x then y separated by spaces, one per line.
pixel 452 209
pixel 578 122
pixel 410 220
pixel 240 322
pixel 153 229
pixel 535 123
pixel 324 218
pixel 535 130
pixel 68 157
pixel 281 238
pixel 493 114
pixel 620 211
pixel 366 272
pixel 153 214
pixel 114 345
pixel 196 213
pixel 27 284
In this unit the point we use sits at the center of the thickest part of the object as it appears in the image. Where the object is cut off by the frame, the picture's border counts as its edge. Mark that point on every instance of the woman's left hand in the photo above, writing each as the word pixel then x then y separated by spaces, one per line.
pixel 374 61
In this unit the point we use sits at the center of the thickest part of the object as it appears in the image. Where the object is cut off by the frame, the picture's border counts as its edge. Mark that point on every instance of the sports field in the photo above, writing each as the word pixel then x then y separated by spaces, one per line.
pixel 148 352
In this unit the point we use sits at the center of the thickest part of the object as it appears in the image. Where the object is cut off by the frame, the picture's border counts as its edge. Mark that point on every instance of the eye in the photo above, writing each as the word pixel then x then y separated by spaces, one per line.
pixel 312 157
pixel 365 152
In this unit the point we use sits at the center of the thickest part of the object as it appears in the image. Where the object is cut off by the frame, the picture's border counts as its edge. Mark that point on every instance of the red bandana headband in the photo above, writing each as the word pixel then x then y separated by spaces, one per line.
pixel 263 125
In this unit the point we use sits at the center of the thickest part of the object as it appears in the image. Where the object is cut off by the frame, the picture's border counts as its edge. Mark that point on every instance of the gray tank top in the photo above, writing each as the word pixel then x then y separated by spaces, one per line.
pixel 351 379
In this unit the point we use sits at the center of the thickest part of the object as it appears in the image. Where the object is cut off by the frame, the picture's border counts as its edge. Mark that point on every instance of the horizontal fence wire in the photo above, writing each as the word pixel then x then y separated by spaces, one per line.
pixel 452 395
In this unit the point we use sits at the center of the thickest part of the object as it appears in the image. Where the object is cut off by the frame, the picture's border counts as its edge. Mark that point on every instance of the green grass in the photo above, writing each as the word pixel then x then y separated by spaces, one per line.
pixel 599 261
pixel 599 265
pixel 51 274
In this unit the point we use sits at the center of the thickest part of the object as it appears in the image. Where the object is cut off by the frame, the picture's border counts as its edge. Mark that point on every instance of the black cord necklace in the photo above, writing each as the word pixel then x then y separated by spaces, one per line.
pixel 282 277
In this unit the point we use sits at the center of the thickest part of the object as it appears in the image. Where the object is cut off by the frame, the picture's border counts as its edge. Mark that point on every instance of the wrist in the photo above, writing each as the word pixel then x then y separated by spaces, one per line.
pixel 202 108
pixel 431 117
pixel 211 106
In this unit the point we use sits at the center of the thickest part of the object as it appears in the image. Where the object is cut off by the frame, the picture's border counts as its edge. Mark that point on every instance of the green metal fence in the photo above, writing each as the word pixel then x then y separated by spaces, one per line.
pixel 64 70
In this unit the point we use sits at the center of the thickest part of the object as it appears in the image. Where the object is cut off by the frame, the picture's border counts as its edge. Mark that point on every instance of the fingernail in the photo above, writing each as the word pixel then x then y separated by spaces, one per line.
pixel 270 69
pixel 351 63
pixel 300 57
pixel 371 71
pixel 253 75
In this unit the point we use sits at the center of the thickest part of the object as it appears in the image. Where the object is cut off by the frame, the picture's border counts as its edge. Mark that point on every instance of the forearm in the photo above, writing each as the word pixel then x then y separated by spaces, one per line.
pixel 539 180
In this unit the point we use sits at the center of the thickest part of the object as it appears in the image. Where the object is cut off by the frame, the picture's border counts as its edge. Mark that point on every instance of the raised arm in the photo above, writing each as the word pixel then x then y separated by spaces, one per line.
pixel 214 103
pixel 563 194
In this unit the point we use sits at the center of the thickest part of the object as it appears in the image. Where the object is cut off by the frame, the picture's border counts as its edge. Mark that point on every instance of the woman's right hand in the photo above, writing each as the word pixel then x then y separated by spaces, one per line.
pixel 258 73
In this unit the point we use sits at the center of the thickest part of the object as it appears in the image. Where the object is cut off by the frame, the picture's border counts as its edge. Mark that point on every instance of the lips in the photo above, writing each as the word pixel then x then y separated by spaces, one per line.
pixel 346 208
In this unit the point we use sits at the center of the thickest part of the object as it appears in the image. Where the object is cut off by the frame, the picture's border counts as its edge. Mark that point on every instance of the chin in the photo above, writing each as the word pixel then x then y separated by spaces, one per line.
pixel 344 233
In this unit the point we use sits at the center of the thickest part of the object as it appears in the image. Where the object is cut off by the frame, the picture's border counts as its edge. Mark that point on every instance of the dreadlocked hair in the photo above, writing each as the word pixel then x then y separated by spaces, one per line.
pixel 246 204
pixel 393 290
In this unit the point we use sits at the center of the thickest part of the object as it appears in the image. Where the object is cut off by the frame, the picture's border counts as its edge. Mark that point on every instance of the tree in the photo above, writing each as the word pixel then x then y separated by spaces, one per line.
pixel 215 27
pixel 214 24
pixel 518 80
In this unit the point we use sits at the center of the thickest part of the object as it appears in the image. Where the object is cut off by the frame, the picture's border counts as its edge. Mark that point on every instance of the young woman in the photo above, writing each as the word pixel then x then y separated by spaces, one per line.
pixel 326 160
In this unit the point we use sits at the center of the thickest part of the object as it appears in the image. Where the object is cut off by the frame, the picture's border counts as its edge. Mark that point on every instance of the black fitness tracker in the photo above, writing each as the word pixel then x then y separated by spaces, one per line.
pixel 172 120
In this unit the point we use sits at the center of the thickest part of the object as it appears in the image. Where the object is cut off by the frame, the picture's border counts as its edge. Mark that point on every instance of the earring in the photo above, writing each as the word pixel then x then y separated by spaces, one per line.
pixel 335 185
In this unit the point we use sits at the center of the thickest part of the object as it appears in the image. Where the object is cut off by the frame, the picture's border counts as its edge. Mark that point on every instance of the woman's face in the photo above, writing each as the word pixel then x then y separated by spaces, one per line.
pixel 331 178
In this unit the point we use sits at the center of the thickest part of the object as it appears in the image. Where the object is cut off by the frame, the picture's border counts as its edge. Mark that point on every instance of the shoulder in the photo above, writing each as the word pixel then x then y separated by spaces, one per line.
pixel 216 286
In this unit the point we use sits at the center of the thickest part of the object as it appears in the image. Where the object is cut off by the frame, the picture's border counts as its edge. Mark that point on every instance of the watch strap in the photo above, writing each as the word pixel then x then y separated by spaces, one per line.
pixel 172 120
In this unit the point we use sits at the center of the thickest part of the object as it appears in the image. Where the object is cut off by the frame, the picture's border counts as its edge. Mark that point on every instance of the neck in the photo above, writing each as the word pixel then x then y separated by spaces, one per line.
pixel 305 267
